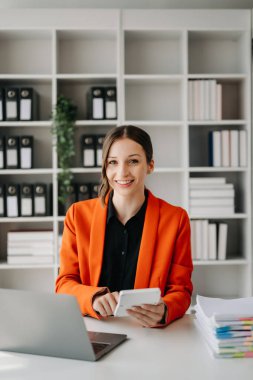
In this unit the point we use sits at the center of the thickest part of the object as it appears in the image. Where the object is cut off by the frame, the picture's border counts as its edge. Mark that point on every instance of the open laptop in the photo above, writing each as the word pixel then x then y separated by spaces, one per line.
pixel 51 325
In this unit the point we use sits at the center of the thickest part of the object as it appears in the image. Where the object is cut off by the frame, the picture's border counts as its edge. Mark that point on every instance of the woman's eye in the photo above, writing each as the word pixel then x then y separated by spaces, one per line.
pixel 112 162
pixel 133 162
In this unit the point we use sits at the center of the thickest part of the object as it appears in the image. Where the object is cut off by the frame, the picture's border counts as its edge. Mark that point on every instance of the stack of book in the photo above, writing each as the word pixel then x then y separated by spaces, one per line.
pixel 227 326
pixel 205 99
pixel 211 196
pixel 208 240
pixel 30 247
pixel 228 148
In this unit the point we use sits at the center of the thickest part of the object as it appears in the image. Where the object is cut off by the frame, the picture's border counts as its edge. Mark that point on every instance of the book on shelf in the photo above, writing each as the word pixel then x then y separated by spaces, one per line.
pixel 214 148
pixel 204 99
pixel 30 259
pixel 242 148
pixel 35 235
pixel 207 180
pixel 225 148
pixel 212 193
pixel 234 148
pixel 212 241
pixel 209 240
pixel 27 250
pixel 229 201
pixel 198 211
pixel 222 241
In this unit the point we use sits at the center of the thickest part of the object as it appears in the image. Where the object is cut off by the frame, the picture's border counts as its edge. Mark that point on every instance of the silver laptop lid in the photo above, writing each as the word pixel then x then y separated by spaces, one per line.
pixel 43 324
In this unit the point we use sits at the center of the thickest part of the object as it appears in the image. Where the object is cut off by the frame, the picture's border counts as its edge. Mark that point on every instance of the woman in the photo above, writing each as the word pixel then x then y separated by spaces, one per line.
pixel 127 238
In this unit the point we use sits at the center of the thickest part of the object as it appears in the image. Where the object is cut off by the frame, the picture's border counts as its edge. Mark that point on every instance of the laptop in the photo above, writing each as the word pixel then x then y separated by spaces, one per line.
pixel 51 325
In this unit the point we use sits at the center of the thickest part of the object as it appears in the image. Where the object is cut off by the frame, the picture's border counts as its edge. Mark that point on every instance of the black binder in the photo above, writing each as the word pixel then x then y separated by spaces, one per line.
pixel 11 104
pixel 2 104
pixel 110 103
pixel 94 188
pixel 88 146
pixel 12 201
pixel 27 104
pixel 12 152
pixel 83 192
pixel 2 200
pixel 99 147
pixel 26 200
pixel 2 152
pixel 26 152
pixel 71 198
pixel 40 199
pixel 96 103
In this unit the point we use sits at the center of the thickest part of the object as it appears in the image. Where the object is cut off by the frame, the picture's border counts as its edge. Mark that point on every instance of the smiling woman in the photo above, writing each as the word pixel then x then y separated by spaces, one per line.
pixel 127 238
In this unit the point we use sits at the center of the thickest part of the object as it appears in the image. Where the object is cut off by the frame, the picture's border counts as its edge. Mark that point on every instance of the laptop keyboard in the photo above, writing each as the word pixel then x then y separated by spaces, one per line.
pixel 97 347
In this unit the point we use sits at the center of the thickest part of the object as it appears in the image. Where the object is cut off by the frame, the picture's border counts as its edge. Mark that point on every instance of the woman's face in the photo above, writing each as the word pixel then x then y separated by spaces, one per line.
pixel 127 167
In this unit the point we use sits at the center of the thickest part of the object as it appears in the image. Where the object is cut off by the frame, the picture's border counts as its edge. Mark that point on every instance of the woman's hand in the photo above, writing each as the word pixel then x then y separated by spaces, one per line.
pixel 105 304
pixel 148 315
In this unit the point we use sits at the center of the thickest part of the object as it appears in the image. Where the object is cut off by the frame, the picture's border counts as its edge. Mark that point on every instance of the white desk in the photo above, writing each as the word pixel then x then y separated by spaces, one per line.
pixel 176 352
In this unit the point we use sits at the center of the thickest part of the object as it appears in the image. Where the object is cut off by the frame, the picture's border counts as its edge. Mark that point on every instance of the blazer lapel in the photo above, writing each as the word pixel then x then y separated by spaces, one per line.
pixel 97 236
pixel 148 242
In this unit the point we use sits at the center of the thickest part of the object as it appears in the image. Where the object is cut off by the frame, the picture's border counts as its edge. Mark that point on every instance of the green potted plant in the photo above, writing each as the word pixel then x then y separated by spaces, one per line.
pixel 64 117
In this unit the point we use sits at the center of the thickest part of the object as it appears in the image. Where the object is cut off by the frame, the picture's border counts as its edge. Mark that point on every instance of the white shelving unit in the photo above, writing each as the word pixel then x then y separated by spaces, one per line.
pixel 149 56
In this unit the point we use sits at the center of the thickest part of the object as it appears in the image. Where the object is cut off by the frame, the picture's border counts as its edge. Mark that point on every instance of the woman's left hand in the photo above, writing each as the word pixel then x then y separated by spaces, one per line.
pixel 148 315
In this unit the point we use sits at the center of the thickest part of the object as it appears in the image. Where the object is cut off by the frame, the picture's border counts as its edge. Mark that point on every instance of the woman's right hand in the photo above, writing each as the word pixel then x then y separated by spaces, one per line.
pixel 105 304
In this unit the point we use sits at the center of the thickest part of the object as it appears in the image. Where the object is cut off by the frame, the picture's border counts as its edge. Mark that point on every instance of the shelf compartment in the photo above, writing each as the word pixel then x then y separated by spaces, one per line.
pixel 26 52
pixel 42 148
pixel 221 52
pixel 41 277
pixel 167 145
pixel 77 91
pixel 238 179
pixel 225 281
pixel 43 88
pixel 199 137
pixel 153 100
pixel 86 52
pixel 158 52
pixel 168 186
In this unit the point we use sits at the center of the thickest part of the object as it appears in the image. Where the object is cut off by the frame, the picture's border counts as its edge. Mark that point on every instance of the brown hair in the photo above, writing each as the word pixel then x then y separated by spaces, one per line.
pixel 125 131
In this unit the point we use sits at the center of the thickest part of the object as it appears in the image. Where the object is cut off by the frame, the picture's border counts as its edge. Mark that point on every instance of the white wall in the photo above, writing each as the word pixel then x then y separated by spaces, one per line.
pixel 177 4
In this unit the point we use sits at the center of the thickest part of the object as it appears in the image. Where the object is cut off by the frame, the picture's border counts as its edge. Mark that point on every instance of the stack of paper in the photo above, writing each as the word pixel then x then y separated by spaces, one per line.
pixel 227 325
pixel 30 247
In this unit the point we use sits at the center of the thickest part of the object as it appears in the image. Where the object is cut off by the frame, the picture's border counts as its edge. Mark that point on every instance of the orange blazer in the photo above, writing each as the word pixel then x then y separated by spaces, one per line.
pixel 164 258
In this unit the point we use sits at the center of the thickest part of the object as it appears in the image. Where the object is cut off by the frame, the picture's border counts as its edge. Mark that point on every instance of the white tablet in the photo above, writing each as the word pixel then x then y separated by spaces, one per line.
pixel 136 297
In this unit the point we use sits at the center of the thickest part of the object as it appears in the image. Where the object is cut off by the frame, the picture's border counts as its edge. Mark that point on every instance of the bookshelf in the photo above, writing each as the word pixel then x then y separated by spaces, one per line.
pixel 150 56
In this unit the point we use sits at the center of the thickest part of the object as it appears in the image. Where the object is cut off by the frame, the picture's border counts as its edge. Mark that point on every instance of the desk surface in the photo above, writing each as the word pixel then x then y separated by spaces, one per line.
pixel 176 352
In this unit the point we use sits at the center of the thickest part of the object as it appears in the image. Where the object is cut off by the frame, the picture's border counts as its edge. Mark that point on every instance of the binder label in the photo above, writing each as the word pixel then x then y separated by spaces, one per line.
pixel 11 110
pixel 88 157
pixel 110 110
pixel 1 206
pixel 25 109
pixel 26 207
pixel 1 159
pixel 12 157
pixel 12 206
pixel 98 108
pixel 40 205
pixel 26 158
pixel 99 157
pixel 1 110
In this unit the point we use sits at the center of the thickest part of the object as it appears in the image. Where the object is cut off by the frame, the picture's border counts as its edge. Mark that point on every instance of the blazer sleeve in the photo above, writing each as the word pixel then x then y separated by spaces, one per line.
pixel 69 280
pixel 177 295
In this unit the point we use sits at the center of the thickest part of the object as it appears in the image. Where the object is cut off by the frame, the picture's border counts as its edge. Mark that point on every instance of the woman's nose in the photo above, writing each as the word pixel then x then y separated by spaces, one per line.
pixel 123 170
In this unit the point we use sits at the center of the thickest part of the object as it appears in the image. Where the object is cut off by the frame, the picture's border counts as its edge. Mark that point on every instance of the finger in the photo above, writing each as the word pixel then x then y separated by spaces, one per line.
pixel 156 309
pixel 116 296
pixel 144 321
pixel 106 305
pixel 147 313
pixel 110 298
pixel 99 307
